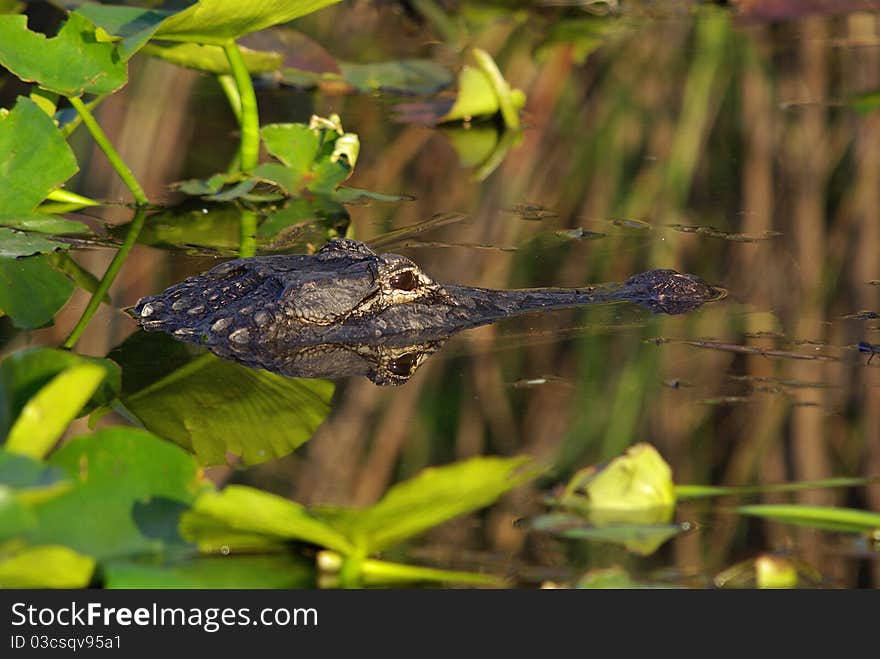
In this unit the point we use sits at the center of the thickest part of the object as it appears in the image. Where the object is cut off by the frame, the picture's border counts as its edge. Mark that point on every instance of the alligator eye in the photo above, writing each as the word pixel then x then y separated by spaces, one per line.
pixel 404 281
pixel 404 365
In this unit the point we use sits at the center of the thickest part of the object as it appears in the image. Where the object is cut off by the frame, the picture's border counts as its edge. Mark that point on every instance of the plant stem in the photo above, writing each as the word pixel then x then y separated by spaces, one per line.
pixel 247 244
pixel 249 119
pixel 118 163
pixel 134 230
pixel 227 84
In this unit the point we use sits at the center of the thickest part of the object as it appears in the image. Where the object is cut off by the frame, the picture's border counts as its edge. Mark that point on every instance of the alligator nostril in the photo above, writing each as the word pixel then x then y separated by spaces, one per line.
pixel 403 365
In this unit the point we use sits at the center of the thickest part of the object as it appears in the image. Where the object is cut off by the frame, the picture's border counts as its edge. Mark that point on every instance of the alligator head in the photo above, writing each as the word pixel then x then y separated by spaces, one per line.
pixel 272 311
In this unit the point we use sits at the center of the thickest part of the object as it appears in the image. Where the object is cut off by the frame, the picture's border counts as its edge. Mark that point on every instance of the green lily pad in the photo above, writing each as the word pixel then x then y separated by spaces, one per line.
pixel 45 417
pixel 42 223
pixel 74 62
pixel 432 497
pixel 212 59
pixel 240 514
pixel 34 158
pixel 642 538
pixel 214 407
pixel 25 373
pixel 32 291
pixel 130 489
pixel 280 571
pixel 20 243
pixel 412 76
pixel 219 519
pixel 49 566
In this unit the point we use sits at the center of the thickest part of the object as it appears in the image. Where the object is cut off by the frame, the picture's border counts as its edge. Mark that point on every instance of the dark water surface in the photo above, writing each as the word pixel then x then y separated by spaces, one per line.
pixel 702 142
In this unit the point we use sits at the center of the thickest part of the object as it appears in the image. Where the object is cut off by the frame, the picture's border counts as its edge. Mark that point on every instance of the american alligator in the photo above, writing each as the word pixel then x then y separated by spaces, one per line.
pixel 376 314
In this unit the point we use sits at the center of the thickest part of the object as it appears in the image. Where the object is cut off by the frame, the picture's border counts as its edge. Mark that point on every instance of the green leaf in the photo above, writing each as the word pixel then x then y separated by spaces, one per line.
pixel 192 227
pixel 42 223
pixel 44 417
pixel 131 488
pixel 72 63
pixel 640 538
pixel 819 517
pixel 413 76
pixel 704 491
pixel 46 567
pixel 34 158
pixel 295 145
pixel 355 196
pixel 281 571
pixel 21 472
pixel 213 407
pixel 20 243
pixel 133 25
pixel 217 21
pixel 243 510
pixel 25 373
pixel 31 291
pixel 432 497
pixel 640 480
pixel 212 59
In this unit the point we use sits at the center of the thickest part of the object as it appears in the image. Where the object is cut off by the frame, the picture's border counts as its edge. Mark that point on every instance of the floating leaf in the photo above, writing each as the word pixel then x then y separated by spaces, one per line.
pixel 25 373
pixel 74 62
pixel 42 223
pixel 643 538
pixel 411 76
pixel 46 567
pixel 45 417
pixel 131 488
pixel 212 59
pixel 20 243
pixel 432 497
pixel 244 510
pixel 280 571
pixel 818 517
pixel 213 407
pixel 32 291
pixel 34 158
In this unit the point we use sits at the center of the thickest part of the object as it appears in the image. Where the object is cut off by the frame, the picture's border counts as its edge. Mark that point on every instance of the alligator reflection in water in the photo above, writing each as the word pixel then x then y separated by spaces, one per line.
pixel 347 310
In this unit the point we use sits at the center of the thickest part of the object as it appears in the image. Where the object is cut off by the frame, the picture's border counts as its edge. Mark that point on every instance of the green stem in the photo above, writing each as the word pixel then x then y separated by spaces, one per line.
pixel 247 244
pixel 227 84
pixel 118 163
pixel 249 119
pixel 103 287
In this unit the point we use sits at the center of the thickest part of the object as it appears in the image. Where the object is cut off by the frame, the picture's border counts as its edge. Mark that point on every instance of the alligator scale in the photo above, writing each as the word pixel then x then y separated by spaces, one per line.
pixel 348 310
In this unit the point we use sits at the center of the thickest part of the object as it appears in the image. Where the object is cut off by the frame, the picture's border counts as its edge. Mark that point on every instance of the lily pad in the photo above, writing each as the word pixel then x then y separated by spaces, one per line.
pixel 20 243
pixel 432 497
pixel 218 518
pixel 45 417
pixel 76 61
pixel 130 488
pixel 280 571
pixel 411 76
pixel 214 407
pixel 34 158
pixel 42 223
pixel 32 291
pixel 409 508
pixel 25 373
pixel 49 566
